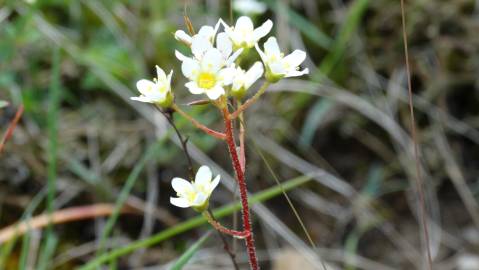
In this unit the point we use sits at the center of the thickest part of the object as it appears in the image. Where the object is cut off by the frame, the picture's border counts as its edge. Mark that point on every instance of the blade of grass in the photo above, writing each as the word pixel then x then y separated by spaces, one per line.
pixel 47 253
pixel 313 119
pixel 350 25
pixel 8 247
pixel 25 250
pixel 186 257
pixel 125 192
pixel 419 180
pixel 52 120
pixel 310 30
pixel 193 223
pixel 339 46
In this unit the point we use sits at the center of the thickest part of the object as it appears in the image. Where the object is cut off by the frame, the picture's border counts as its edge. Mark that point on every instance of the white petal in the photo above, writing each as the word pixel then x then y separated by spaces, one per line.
pixel 233 57
pixel 238 79
pixel 207 31
pixel 215 92
pixel 200 45
pixel 253 74
pixel 180 56
pixel 143 99
pixel 244 23
pixel 295 58
pixel 249 6
pixel 212 61
pixel 204 175
pixel 190 68
pixel 181 185
pixel 168 79
pixel 194 89
pixel 226 75
pixel 225 25
pixel 200 199
pixel 182 36
pixel 262 31
pixel 277 68
pixel 161 76
pixel 146 87
pixel 271 47
pixel 217 26
pixel 261 53
pixel 229 31
pixel 215 183
pixel 180 202
pixel 297 73
pixel 224 44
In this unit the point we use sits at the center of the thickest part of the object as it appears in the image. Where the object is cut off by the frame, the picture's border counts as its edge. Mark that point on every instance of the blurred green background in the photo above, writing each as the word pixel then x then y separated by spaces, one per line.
pixel 82 142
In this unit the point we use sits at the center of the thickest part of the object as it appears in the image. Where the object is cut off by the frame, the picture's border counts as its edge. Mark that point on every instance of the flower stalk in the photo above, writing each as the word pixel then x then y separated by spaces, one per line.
pixel 250 101
pixel 207 130
pixel 223 229
pixel 245 212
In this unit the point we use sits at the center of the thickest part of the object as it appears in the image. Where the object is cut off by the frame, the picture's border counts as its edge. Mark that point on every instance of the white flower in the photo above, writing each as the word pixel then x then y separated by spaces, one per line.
pixel 209 70
pixel 206 31
pixel 243 80
pixel 243 33
pixel 157 91
pixel 249 7
pixel 195 194
pixel 279 66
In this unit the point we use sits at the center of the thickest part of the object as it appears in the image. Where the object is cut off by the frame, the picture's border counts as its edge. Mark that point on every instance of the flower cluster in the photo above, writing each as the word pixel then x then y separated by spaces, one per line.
pixel 213 67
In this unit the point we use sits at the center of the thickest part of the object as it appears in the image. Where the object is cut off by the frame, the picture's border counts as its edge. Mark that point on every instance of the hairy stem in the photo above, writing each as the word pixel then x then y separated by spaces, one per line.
pixel 223 229
pixel 197 124
pixel 253 260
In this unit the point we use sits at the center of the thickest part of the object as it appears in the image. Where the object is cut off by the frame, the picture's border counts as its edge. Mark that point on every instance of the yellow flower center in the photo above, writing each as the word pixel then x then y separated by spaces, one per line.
pixel 201 188
pixel 188 195
pixel 206 80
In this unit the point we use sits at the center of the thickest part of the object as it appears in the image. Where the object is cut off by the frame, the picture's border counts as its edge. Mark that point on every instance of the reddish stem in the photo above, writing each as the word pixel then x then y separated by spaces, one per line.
pixel 253 260
pixel 11 127
pixel 223 229
pixel 197 124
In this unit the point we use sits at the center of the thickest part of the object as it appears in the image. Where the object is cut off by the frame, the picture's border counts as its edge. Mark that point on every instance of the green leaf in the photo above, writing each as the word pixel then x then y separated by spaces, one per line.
pixel 185 258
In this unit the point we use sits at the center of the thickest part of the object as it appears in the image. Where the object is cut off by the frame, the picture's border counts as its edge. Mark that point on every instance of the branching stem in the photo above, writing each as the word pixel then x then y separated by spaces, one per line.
pixel 223 229
pixel 197 124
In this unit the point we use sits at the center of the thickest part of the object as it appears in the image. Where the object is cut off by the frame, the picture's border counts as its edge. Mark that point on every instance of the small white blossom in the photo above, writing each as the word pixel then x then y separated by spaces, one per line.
pixel 243 80
pixel 195 194
pixel 206 31
pixel 243 34
pixel 157 91
pixel 249 7
pixel 210 68
pixel 279 66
